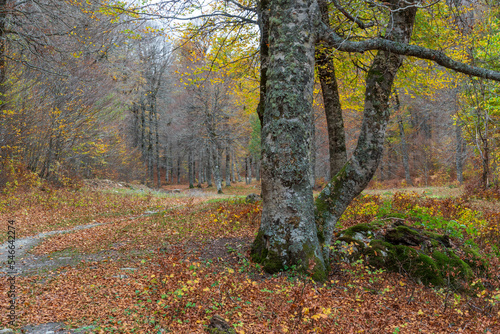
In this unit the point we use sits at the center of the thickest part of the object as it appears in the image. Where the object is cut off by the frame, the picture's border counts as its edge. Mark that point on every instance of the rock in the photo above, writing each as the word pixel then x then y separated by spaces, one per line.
pixel 252 198
pixel 219 326
pixel 121 276
pixel 131 269
pixel 430 258
pixel 6 330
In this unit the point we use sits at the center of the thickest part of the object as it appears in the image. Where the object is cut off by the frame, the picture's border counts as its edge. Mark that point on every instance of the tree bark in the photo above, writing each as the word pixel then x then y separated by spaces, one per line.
pixel 228 166
pixel 459 153
pixel 287 234
pixel 209 167
pixel 331 101
pixel 404 151
pixel 190 170
pixel 216 169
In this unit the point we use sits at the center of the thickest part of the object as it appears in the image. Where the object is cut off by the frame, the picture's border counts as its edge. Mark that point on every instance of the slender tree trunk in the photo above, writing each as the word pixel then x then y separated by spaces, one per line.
pixel 217 174
pixel 190 170
pixel 157 147
pixel 228 166
pixel 240 167
pixel 459 153
pixel 404 149
pixel 209 167
pixel 178 169
pixel 232 167
pixel 486 151
pixel 331 101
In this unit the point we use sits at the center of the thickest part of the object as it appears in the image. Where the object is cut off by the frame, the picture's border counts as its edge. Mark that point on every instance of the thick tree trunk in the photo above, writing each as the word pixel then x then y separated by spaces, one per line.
pixel 287 234
pixel 263 14
pixel 404 151
pixel 257 169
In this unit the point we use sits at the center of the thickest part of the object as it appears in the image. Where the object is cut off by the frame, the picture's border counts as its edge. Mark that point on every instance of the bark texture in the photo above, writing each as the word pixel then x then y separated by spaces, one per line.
pixel 287 235
pixel 331 101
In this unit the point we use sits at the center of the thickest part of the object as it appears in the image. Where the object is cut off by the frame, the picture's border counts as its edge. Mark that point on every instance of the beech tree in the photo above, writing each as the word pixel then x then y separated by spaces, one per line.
pixel 296 229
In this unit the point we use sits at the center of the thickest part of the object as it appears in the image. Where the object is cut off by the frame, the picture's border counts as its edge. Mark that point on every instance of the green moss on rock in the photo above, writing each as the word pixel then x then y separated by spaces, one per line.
pixel 427 256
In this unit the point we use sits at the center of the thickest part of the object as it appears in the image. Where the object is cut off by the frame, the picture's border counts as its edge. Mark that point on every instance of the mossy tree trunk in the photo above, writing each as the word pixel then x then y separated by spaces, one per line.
pixel 294 229
pixel 287 236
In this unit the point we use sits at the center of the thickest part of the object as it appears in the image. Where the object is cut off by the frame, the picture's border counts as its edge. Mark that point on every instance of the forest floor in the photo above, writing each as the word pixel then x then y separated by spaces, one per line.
pixel 122 258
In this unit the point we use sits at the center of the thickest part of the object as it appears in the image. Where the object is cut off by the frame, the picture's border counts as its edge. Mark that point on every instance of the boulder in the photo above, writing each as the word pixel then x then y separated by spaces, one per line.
pixel 219 326
pixel 252 198
pixel 430 258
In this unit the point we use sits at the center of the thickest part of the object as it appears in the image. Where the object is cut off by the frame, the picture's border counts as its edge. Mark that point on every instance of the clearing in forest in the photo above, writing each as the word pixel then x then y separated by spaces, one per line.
pixel 145 261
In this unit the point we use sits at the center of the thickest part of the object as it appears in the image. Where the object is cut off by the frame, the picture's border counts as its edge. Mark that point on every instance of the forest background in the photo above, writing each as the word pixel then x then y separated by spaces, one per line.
pixel 124 91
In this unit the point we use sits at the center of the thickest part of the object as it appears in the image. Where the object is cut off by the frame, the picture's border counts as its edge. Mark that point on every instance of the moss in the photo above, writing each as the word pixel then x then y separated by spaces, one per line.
pixel 271 262
pixel 376 253
pixel 364 227
pixel 258 250
pixel 401 231
pixel 319 273
pixel 349 240
pixel 474 259
pixel 427 270
pixel 451 265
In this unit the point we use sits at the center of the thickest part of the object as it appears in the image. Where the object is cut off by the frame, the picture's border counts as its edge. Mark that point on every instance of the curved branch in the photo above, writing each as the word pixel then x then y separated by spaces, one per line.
pixel 330 38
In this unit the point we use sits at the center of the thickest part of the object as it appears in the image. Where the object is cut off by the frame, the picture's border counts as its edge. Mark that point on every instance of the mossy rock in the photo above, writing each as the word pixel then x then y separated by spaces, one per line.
pixel 426 256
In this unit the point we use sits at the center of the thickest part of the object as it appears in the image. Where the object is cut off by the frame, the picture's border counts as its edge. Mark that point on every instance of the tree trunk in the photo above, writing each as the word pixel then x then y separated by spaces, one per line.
pixel 232 167
pixel 157 147
pixel 209 167
pixel 287 234
pixel 404 151
pixel 459 153
pixel 240 166
pixel 228 166
pixel 249 169
pixel 331 101
pixel 190 170
pixel 217 173
pixel 257 169
pixel 359 170
pixel 178 169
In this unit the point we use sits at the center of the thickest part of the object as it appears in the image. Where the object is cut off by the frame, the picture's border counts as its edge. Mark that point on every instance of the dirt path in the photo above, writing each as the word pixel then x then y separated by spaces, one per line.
pixel 28 262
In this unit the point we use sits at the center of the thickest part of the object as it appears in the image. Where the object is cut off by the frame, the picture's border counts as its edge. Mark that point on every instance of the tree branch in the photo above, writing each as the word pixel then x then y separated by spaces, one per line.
pixel 331 39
